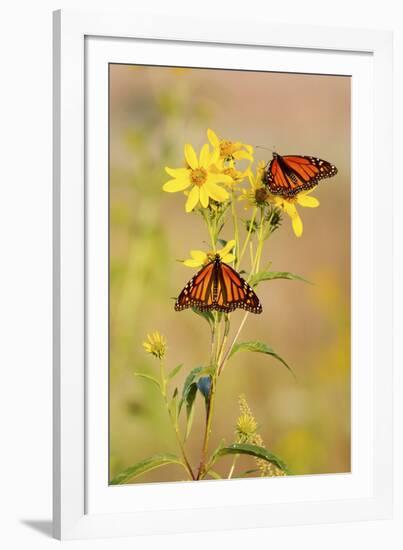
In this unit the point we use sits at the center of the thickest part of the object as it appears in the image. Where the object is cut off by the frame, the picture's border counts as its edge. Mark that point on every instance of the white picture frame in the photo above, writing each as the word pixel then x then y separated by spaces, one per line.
pixel 84 505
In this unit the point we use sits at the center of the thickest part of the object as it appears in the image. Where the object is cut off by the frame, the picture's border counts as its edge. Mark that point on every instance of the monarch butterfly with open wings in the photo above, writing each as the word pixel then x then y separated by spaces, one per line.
pixel 289 175
pixel 218 286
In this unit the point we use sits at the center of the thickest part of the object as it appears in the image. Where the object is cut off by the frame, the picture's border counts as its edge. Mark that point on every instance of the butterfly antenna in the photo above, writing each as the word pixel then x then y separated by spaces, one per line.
pixel 266 148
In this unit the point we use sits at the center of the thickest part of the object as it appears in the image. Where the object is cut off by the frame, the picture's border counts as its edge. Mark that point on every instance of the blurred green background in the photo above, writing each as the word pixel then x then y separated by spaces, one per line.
pixel 154 111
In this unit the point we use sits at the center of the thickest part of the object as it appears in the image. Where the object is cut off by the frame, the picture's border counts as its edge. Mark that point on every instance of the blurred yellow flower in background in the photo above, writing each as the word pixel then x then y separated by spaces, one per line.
pixel 155 344
pixel 199 258
pixel 288 205
pixel 200 174
pixel 230 150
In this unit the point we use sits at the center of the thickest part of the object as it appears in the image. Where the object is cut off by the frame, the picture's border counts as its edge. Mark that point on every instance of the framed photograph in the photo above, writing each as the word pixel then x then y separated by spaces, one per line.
pixel 222 301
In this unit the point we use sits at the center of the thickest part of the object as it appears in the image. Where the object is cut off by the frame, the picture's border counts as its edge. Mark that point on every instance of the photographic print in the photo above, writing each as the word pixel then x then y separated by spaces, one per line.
pixel 229 274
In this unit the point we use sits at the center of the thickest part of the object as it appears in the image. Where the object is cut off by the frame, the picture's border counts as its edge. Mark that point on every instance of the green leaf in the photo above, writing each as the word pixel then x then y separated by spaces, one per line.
pixel 252 450
pixel 144 466
pixel 191 377
pixel 173 406
pixel 191 396
pixel 148 377
pixel 270 275
pixel 207 315
pixel 189 393
pixel 174 371
pixel 259 347
pixel 204 386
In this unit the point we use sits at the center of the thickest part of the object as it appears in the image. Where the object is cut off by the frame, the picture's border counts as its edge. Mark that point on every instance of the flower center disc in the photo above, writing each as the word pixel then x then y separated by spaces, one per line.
pixel 260 195
pixel 226 148
pixel 199 176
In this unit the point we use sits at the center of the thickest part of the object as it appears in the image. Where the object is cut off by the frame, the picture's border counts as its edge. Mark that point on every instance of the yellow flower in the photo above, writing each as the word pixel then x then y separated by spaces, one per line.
pixel 230 150
pixel 288 205
pixel 156 344
pixel 199 258
pixel 246 427
pixel 246 430
pixel 199 174
pixel 237 176
pixel 257 194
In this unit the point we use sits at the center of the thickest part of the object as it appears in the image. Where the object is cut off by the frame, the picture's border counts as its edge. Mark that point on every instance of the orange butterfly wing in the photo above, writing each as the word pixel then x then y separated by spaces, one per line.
pixel 291 174
pixel 198 291
pixel 217 286
pixel 234 292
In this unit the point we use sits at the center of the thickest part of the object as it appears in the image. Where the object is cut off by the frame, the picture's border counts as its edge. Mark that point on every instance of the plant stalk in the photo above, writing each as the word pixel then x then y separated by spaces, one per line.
pixel 174 422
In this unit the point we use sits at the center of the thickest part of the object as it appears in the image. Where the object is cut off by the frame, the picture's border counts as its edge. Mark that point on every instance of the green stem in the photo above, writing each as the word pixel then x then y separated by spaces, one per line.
pixel 213 330
pixel 245 244
pixel 256 259
pixel 209 418
pixel 224 340
pixel 236 228
pixel 209 411
pixel 218 339
pixel 226 356
pixel 174 422
pixel 230 473
pixel 211 232
pixel 254 270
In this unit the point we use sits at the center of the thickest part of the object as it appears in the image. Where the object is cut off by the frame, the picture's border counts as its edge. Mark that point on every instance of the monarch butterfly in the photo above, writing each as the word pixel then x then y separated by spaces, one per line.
pixel 291 174
pixel 218 286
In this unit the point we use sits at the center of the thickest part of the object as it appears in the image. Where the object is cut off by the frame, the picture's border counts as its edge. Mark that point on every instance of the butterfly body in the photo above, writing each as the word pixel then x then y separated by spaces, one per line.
pixel 217 286
pixel 289 175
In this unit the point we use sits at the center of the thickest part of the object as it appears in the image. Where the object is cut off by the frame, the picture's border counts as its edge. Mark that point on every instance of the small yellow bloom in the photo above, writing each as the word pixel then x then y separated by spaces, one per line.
pixel 200 173
pixel 288 205
pixel 199 258
pixel 155 344
pixel 246 427
pixel 246 430
pixel 230 150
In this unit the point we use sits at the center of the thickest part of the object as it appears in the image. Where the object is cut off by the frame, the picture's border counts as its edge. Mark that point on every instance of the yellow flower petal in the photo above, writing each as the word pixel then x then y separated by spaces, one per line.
pixel 295 218
pixel 198 255
pixel 297 226
pixel 198 258
pixel 239 155
pixel 307 201
pixel 192 263
pixel 215 192
pixel 191 157
pixel 203 197
pixel 228 258
pixel 218 178
pixel 193 199
pixel 213 138
pixel 227 248
pixel 215 156
pixel 172 186
pixel 204 156
pixel 177 172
